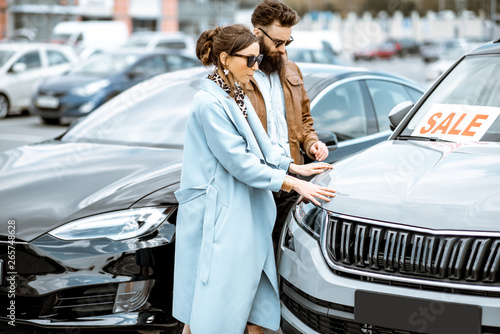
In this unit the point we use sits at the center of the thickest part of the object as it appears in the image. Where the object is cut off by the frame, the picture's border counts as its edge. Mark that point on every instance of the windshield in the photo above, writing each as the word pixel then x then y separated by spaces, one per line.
pixel 153 113
pixel 465 105
pixel 106 64
pixel 61 38
pixel 4 56
pixel 136 43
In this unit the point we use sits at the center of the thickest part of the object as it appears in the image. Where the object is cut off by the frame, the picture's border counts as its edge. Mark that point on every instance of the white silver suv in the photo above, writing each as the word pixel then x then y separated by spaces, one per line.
pixel 411 242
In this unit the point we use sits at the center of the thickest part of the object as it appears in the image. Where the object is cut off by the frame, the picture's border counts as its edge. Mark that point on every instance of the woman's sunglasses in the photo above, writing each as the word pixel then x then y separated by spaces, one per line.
pixel 250 59
pixel 278 43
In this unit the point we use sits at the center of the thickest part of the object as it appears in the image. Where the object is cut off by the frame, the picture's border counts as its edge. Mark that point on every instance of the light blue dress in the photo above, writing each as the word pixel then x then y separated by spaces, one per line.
pixel 225 272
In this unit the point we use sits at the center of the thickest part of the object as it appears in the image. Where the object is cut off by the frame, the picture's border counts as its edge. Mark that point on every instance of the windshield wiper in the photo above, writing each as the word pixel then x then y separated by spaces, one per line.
pixel 406 137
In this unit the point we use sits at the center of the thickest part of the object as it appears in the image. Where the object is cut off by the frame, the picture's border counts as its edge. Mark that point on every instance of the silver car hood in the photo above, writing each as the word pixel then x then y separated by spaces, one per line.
pixel 435 185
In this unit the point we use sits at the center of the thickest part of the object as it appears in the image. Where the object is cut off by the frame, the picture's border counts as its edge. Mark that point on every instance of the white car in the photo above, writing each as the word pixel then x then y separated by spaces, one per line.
pixel 22 66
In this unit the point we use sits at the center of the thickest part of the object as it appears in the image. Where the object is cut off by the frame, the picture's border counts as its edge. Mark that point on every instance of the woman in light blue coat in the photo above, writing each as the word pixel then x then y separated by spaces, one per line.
pixel 225 274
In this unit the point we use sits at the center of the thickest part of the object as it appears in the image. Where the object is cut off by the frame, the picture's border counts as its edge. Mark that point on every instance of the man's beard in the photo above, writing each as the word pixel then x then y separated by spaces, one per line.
pixel 271 63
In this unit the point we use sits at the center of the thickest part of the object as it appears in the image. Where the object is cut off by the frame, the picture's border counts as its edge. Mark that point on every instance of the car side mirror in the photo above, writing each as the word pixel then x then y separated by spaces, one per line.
pixel 19 67
pixel 329 138
pixel 398 113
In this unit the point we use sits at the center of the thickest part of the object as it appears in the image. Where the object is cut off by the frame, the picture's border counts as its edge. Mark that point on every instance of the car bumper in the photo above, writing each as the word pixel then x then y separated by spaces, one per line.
pixel 315 300
pixel 66 107
pixel 89 283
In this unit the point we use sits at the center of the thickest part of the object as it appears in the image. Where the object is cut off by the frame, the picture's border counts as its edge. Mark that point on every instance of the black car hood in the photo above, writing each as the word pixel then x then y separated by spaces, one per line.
pixel 67 82
pixel 435 185
pixel 45 185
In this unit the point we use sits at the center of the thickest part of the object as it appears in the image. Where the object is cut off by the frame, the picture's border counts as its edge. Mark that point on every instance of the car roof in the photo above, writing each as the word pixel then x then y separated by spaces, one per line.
pixel 492 47
pixel 30 46
pixel 144 51
pixel 319 74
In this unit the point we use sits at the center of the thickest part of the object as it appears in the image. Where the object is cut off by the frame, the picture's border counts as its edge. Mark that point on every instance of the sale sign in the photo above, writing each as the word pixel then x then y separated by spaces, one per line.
pixel 458 123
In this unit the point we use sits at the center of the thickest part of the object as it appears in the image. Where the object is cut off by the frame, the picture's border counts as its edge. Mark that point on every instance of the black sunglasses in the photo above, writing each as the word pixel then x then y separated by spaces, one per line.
pixel 278 43
pixel 250 59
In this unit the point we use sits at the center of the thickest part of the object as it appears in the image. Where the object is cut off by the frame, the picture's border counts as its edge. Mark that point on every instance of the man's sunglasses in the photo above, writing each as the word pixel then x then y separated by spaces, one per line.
pixel 278 43
pixel 250 59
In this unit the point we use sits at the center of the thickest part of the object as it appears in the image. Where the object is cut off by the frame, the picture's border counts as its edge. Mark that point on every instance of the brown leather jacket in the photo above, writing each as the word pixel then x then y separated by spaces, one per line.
pixel 301 134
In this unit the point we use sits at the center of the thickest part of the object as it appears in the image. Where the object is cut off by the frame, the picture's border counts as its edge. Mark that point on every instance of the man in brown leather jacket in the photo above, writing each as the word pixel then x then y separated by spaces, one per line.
pixel 278 95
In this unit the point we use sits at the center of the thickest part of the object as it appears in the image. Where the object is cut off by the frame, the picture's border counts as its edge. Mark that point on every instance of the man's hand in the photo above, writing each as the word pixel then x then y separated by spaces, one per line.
pixel 319 150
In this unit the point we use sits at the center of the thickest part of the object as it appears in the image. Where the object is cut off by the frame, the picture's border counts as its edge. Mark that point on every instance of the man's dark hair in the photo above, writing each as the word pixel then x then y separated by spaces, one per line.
pixel 271 11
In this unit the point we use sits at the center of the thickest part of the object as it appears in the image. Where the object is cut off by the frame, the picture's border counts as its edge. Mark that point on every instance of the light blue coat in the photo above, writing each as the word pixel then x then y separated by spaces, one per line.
pixel 225 273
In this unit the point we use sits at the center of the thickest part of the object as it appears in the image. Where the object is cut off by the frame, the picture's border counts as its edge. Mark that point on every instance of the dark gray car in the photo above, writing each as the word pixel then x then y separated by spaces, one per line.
pixel 411 242
pixel 87 220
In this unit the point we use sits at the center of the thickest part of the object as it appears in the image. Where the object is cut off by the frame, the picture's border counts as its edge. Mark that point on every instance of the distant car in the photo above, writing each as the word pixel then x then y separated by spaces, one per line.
pixel 447 59
pixel 319 55
pixel 22 66
pixel 99 79
pixel 94 210
pixel 152 40
pixel 405 46
pixel 432 49
pixel 384 50
pixel 411 241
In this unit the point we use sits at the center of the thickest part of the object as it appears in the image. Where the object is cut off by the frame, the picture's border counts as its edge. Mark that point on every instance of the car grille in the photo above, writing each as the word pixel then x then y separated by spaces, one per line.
pixel 66 304
pixel 52 93
pixel 386 251
pixel 325 323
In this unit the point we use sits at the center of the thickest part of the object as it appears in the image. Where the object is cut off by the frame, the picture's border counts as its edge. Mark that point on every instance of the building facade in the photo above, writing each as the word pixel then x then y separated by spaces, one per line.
pixel 190 16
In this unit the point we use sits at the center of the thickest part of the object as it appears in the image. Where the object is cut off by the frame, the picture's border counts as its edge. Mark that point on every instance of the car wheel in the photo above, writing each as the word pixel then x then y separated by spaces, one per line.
pixel 4 106
pixel 50 120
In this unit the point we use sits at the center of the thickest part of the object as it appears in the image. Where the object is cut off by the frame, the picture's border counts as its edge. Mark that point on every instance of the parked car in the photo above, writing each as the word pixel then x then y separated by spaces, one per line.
pixel 99 79
pixel 405 46
pixel 151 40
pixel 432 49
pixel 411 242
pixel 434 69
pixel 90 34
pixel 22 66
pixel 94 209
pixel 384 50
pixel 319 54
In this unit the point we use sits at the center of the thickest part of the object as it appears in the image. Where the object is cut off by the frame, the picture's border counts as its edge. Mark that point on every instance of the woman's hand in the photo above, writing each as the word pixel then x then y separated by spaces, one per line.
pixel 309 169
pixel 312 191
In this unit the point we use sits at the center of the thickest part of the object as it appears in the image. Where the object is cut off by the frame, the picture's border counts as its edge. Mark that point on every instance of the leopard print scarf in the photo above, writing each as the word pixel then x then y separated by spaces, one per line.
pixel 239 94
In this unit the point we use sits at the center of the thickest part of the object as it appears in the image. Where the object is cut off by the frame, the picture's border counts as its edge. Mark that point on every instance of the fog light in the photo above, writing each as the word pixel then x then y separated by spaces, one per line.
pixel 288 240
pixel 87 107
pixel 132 295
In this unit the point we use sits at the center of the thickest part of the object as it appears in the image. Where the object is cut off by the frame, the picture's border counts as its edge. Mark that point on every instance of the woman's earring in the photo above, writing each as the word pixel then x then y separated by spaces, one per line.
pixel 226 71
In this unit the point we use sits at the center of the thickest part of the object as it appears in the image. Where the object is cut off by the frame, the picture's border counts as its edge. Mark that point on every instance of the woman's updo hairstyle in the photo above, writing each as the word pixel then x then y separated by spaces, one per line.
pixel 230 39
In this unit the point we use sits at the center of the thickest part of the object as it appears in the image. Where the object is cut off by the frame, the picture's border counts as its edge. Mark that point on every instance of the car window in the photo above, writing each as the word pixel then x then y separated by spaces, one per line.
pixel 31 59
pixel 178 62
pixel 466 99
pixel 172 45
pixel 140 116
pixel 106 64
pixel 4 56
pixel 415 94
pixel 341 110
pixel 298 55
pixel 386 95
pixel 151 66
pixel 56 58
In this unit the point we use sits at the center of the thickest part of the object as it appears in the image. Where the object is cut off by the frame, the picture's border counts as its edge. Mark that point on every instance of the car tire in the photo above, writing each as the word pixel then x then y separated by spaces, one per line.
pixel 4 106
pixel 51 121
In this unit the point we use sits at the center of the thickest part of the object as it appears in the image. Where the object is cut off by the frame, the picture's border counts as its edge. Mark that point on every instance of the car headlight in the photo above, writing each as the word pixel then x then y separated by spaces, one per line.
pixel 118 225
pixel 91 88
pixel 310 217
